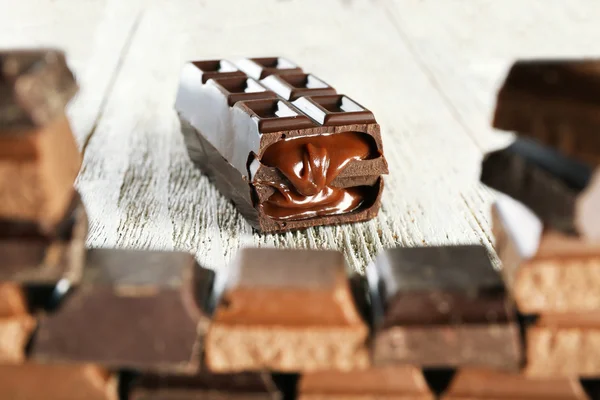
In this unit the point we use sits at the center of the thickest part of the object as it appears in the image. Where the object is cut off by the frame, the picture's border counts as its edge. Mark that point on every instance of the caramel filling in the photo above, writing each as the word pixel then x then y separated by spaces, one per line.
pixel 310 164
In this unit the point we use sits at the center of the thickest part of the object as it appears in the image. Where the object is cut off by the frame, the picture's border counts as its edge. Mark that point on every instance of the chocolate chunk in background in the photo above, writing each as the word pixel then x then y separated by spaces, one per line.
pixel 470 383
pixel 56 382
pixel 31 257
pixel 204 385
pixel 132 309
pixel 259 68
pixel 442 307
pixel 37 172
pixel 546 271
pixel 542 179
pixel 35 87
pixel 287 311
pixel 554 102
pixel 400 381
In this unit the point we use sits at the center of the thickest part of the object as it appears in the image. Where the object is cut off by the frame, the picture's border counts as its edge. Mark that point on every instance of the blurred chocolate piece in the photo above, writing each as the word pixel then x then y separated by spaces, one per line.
pixel 35 87
pixel 15 333
pixel 396 382
pixel 12 300
pixel 482 384
pixel 286 166
pixel 259 68
pixel 287 311
pixel 29 257
pixel 555 102
pixel 440 307
pixel 204 385
pixel 37 172
pixel 132 309
pixel 56 382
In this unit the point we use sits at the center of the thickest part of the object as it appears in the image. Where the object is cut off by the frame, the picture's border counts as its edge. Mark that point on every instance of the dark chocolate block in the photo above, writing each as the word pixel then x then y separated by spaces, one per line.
pixel 288 311
pixel 441 307
pixel 204 386
pixel 132 309
pixel 286 166
pixel 35 87
pixel 259 68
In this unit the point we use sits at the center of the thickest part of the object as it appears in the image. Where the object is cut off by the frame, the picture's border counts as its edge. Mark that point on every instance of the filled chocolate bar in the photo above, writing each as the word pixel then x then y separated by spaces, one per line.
pixel 286 149
pixel 441 307
pixel 132 309
pixel 287 311
pixel 554 102
pixel 35 87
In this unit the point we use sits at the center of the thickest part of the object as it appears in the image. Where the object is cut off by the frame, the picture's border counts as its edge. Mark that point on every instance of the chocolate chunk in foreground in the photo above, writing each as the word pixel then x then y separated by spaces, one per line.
pixel 30 257
pixel 56 382
pixel 204 385
pixel 484 384
pixel 555 102
pixel 401 382
pixel 286 165
pixel 440 307
pixel 132 309
pixel 37 172
pixel 288 311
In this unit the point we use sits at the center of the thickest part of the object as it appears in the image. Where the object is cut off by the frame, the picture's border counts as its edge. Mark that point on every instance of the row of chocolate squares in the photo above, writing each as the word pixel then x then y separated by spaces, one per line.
pixel 405 382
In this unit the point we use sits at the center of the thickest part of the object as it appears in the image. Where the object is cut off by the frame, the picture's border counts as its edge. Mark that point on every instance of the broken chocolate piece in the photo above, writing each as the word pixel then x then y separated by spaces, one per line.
pixel 204 385
pixel 132 309
pixel 401 382
pixel 554 102
pixel 288 311
pixel 56 382
pixel 236 130
pixel 485 384
pixel 441 306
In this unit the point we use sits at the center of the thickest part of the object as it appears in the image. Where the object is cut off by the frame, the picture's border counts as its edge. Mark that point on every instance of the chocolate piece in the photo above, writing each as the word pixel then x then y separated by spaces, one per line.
pixel 259 68
pixel 286 310
pixel 236 130
pixel 15 332
pixel 29 257
pixel 56 382
pixel 483 384
pixel 37 172
pixel 35 87
pixel 441 306
pixel 397 382
pixel 545 270
pixel 554 102
pixel 132 309
pixel 205 386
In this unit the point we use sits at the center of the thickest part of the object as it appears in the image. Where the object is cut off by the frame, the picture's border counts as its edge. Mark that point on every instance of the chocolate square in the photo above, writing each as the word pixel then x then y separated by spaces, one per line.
pixel 259 68
pixel 212 69
pixel 292 86
pixel 334 110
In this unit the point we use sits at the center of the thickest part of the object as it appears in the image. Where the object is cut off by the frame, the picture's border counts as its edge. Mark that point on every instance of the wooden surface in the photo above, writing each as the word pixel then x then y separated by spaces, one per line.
pixel 428 70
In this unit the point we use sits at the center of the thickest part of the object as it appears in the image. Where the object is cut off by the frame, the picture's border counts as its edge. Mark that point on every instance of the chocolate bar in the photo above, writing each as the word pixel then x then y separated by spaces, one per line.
pixel 441 307
pixel 398 382
pixel 288 311
pixel 547 271
pixel 204 385
pixel 57 382
pixel 30 256
pixel 287 150
pixel 132 309
pixel 484 384
pixel 37 171
pixel 35 87
pixel 554 102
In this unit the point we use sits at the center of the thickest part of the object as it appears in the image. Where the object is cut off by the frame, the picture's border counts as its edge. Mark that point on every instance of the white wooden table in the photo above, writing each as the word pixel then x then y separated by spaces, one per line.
pixel 428 69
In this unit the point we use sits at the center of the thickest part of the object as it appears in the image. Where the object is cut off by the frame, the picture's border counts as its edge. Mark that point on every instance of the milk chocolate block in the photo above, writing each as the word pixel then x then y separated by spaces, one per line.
pixel 37 172
pixel 57 382
pixel 28 256
pixel 35 87
pixel 132 309
pixel 204 386
pixel 441 307
pixel 546 271
pixel 555 102
pixel 404 382
pixel 287 150
pixel 287 311
pixel 484 384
